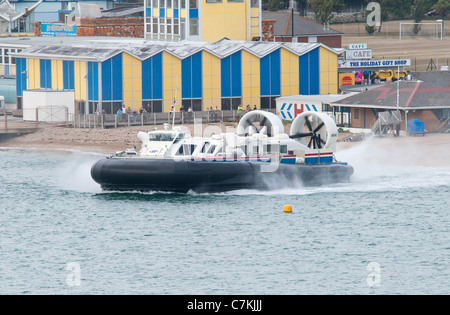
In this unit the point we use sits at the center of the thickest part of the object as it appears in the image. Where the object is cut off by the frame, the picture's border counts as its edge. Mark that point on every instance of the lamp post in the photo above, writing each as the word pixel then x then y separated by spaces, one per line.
pixel 438 22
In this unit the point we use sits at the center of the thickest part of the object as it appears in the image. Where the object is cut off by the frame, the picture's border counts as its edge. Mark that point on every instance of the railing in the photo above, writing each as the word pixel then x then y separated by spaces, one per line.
pixel 129 120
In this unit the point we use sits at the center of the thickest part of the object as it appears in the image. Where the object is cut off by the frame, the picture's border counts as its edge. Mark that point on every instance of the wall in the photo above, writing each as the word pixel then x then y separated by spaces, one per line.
pixel 118 27
pixel 53 106
pixel 211 81
pixel 328 72
pixel 333 41
pixel 224 19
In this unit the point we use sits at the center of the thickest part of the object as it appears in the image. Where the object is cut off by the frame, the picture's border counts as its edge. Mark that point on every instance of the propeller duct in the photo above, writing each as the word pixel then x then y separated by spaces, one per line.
pixel 315 130
pixel 260 121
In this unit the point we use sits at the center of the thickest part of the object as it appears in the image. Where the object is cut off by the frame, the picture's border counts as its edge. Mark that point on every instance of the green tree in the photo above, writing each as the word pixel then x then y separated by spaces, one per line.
pixel 442 7
pixel 396 8
pixel 418 10
pixel 324 9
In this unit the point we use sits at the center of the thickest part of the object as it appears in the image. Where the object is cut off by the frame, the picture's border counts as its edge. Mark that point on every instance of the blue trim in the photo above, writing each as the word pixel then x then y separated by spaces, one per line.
pixel 231 75
pixel 68 75
pixel 112 79
pixel 236 74
pixel 117 77
pixel 148 12
pixel 264 78
pixel 191 76
pixel 106 80
pixel 315 71
pixel 157 77
pixel 193 13
pixel 309 68
pixel 270 78
pixel 152 78
pixel 323 160
pixel 21 76
pixel 275 73
pixel 93 81
pixel 303 71
pixel 225 77
pixel 147 79
pixel 186 79
pixel 162 12
pixel 46 73
pixel 197 78
pixel 176 13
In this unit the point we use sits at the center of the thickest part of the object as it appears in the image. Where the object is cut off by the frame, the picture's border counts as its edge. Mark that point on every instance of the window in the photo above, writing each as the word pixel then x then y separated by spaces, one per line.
pixel 111 107
pixel 231 103
pixel 196 104
pixel 193 4
pixel 152 106
pixel 193 26
pixel 356 113
pixel 186 149
pixel 268 102
pixel 254 3
pixel 92 107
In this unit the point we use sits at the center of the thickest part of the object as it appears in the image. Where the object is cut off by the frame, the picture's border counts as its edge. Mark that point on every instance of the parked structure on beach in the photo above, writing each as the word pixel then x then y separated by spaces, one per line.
pixel 106 73
pixel 425 97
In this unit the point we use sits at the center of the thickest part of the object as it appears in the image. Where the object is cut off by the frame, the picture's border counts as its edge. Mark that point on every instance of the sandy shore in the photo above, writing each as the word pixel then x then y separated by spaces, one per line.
pixel 102 140
pixel 431 150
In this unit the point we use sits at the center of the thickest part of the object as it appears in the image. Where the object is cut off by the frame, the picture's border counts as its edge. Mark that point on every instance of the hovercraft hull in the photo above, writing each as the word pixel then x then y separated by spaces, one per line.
pixel 141 174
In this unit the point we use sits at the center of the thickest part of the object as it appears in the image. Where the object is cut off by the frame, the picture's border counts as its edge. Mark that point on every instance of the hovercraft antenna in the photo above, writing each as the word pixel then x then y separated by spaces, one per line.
pixel 174 106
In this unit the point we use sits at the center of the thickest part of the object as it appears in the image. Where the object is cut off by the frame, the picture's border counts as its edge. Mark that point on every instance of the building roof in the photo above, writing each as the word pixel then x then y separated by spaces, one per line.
pixel 103 48
pixel 428 90
pixel 302 26
pixel 8 13
pixel 323 98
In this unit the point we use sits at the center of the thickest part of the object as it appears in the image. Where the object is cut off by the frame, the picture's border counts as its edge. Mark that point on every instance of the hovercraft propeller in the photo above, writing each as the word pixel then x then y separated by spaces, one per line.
pixel 315 140
pixel 269 123
pixel 315 130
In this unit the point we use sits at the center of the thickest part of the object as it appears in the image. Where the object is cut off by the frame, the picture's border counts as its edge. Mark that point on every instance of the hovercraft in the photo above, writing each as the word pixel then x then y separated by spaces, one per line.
pixel 260 155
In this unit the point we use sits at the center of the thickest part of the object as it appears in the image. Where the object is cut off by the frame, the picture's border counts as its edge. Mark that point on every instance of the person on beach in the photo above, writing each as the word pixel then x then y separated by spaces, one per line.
pixel 240 108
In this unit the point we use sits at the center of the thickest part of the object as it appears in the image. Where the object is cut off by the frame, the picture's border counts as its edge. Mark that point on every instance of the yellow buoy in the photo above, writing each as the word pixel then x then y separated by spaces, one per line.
pixel 287 208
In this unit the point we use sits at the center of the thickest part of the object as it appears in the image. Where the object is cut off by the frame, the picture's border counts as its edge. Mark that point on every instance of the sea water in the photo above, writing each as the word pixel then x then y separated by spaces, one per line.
pixel 385 232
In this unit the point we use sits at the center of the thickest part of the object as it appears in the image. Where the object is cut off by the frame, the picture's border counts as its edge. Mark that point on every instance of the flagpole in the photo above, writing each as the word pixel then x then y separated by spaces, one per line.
pixel 174 105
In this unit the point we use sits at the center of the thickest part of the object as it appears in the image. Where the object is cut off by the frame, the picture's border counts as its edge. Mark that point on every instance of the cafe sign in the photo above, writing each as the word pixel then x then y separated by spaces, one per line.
pixel 358 54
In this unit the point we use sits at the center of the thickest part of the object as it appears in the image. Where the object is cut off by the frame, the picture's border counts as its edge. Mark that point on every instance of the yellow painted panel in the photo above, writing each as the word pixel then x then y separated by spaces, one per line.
pixel 171 81
pixel 155 12
pixel 34 74
pixel 169 13
pixel 132 78
pixel 12 69
pixel 80 80
pixel 328 72
pixel 250 79
pixel 211 81
pixel 57 75
pixel 289 73
pixel 182 13
pixel 225 19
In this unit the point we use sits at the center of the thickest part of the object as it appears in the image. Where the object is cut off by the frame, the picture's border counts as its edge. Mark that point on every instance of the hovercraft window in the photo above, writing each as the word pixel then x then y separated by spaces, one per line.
pixel 186 149
pixel 211 149
pixel 161 137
